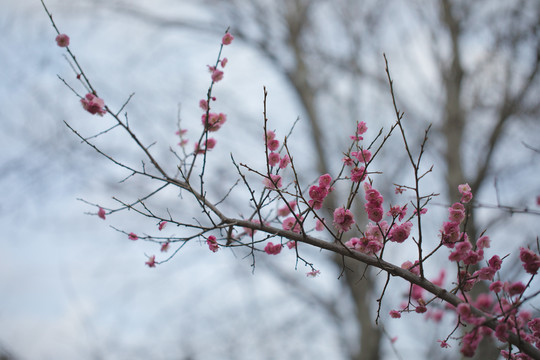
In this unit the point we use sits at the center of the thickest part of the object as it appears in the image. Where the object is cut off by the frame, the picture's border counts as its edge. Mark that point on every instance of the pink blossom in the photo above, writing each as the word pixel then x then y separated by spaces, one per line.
pixel 325 181
pixel 473 257
pixel 210 143
pixel 101 213
pixel 495 262
pixel 375 211
pixel 212 243
pixel 224 62
pixel 461 251
pixel 133 236
pixel 440 280
pixel 319 225
pixel 450 233
pixel 162 225
pixel 270 135
pixel 343 219
pixel 485 273
pixel 395 314
pixel 422 211
pixel 284 162
pixel 496 286
pixel 399 190
pixel 348 161
pixel 363 156
pixel 62 40
pixel 273 183
pixel 400 233
pixel 273 159
pixel 165 246
pixel 530 260
pixel 286 210
pixel 227 39
pixel 397 212
pixel 273 144
pixel 463 188
pixel 362 128
pixel 444 344
pixel 93 104
pixel 291 244
pixel 151 261
pixel 215 121
pixel 456 214
pixel 272 249
pixel 317 194
pixel 414 268
pixel 358 174
pixel 483 242
pixel 420 309
pixel 313 273
pixel 292 224
pixel 465 191
pixel 534 325
pixel 484 302
pixel 217 75
pixel 366 245
pixel 203 104
pixel 516 288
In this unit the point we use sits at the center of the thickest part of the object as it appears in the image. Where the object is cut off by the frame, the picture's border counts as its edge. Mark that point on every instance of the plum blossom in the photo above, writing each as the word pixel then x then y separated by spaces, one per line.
pixel 398 212
pixel 217 75
pixel 165 246
pixel 530 260
pixel 224 62
pixel 273 182
pixel 212 243
pixel 395 314
pixel 400 233
pixel 291 223
pixel 215 121
pixel 62 40
pixel 227 39
pixel 101 213
pixel 151 261
pixel 465 191
pixel 343 219
pixel 313 273
pixel 93 104
pixel 273 159
pixel 286 210
pixel 319 225
pixel 358 174
pixel 162 225
pixel 272 249
pixel 284 162
pixel 203 104
pixel 133 236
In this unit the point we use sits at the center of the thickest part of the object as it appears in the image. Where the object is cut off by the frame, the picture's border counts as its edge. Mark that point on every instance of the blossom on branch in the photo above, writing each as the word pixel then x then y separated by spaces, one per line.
pixel 212 243
pixel 227 39
pixel 151 261
pixel 62 40
pixel 93 104
pixel 101 213
pixel 343 219
pixel 272 249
